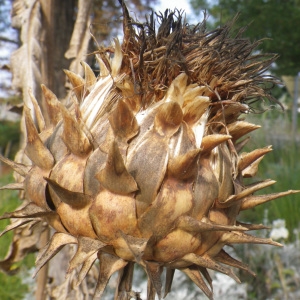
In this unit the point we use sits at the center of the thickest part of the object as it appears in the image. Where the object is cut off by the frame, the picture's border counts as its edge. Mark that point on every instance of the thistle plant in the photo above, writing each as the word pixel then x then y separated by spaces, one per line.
pixel 144 165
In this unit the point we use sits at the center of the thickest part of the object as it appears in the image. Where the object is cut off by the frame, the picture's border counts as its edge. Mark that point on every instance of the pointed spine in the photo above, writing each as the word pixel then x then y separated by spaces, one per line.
pixel 13 186
pixel 246 159
pixel 176 89
pixel 109 264
pixel 184 166
pixel 253 201
pixel 58 241
pixel 168 118
pixel 246 192
pixel 85 268
pixel 136 245
pixel 31 210
pixel 252 169
pixel 194 110
pixel 209 142
pixel 207 262
pixel 240 128
pixel 240 145
pixel 37 110
pixel 154 271
pixel 115 176
pixel 194 274
pixel 181 82
pixel 117 60
pixel 86 248
pixel 74 199
pixel 224 258
pixel 124 283
pixel 253 226
pixel 73 135
pixel 123 122
pixel 103 68
pixel 89 76
pixel 21 169
pixel 39 154
pixel 168 282
pixel 16 224
pixel 190 224
pixel 192 92
pixel 242 238
pixel 78 84
pixel 206 275
pixel 52 105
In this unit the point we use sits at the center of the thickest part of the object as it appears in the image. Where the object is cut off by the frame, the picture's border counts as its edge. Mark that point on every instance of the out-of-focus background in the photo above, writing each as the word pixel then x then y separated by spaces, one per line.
pixel 277 22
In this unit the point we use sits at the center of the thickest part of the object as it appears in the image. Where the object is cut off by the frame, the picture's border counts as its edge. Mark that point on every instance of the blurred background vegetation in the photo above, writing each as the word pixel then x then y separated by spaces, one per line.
pixel 275 21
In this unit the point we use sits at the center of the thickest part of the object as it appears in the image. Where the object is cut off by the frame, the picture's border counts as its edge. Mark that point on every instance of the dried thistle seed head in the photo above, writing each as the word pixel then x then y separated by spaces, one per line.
pixel 145 167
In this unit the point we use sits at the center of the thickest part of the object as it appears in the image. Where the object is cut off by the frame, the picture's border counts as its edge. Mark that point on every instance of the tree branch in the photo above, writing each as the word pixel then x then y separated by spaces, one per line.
pixel 5 39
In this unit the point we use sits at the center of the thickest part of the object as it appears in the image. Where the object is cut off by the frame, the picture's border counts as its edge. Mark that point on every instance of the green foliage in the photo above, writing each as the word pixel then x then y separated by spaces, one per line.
pixel 9 201
pixel 282 165
pixel 276 20
pixel 11 287
pixel 9 135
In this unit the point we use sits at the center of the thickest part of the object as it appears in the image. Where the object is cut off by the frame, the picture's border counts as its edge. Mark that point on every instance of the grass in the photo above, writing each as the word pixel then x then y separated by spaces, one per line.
pixel 9 137
pixel 285 169
pixel 9 201
pixel 11 287
pixel 282 165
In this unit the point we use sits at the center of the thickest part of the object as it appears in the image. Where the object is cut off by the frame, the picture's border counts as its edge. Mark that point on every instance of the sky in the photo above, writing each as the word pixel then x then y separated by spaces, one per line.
pixel 180 4
pixel 162 5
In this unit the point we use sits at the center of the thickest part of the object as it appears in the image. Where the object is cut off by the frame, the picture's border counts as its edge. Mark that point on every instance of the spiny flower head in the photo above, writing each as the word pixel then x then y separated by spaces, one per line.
pixel 145 164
